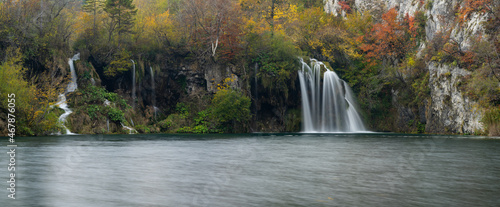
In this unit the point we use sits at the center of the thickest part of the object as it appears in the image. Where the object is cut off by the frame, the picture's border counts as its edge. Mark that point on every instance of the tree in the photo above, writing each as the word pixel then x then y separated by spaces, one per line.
pixel 212 23
pixel 389 41
pixel 94 7
pixel 121 14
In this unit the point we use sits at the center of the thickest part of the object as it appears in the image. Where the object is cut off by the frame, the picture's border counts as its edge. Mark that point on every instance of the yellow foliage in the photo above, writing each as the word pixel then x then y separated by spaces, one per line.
pixel 226 83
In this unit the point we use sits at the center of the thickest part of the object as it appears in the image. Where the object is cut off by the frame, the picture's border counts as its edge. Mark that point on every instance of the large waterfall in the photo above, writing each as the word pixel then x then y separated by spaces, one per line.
pixel 331 108
pixel 72 86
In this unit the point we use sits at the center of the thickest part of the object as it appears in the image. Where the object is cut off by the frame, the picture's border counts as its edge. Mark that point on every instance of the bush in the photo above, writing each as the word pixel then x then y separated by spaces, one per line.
pixel 93 110
pixel 230 109
pixel 142 129
pixel 115 114
pixel 164 125
pixel 491 121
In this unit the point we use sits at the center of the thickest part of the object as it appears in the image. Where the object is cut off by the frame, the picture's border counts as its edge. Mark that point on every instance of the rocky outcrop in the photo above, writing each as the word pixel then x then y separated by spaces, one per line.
pixel 449 110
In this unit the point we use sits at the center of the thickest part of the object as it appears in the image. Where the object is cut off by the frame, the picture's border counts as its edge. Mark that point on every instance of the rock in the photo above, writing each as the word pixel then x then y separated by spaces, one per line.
pixel 450 111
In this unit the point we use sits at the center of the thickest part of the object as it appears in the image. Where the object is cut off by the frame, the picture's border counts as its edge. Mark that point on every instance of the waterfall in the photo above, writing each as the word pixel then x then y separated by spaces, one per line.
pixel 153 86
pixel 61 100
pixel 133 84
pixel 107 124
pixel 61 103
pixel 130 130
pixel 72 86
pixel 153 98
pixel 331 108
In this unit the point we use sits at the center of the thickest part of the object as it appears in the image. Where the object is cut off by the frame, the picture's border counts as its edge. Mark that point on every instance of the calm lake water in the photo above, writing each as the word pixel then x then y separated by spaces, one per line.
pixel 254 170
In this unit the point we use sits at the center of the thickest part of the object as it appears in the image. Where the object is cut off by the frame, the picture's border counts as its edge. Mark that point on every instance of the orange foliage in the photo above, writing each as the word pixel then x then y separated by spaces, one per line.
pixel 389 40
pixel 344 6
pixel 471 6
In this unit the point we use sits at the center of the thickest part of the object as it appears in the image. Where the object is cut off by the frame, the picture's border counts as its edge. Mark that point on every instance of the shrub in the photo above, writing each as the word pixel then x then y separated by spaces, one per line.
pixel 142 129
pixel 230 108
pixel 92 110
pixel 115 114
pixel 164 125
pixel 491 121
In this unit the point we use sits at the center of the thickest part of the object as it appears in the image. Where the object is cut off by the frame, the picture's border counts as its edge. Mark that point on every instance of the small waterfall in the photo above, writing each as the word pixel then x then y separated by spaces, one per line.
pixel 107 124
pixel 72 86
pixel 153 98
pixel 331 108
pixel 61 103
pixel 155 110
pixel 133 83
pixel 131 130
pixel 92 81
pixel 153 86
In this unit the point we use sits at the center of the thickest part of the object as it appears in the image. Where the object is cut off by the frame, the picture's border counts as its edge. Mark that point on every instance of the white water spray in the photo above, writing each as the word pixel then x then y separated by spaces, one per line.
pixel 72 86
pixel 331 108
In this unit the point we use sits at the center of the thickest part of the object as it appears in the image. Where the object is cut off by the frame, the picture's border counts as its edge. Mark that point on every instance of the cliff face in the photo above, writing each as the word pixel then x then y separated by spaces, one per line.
pixel 448 110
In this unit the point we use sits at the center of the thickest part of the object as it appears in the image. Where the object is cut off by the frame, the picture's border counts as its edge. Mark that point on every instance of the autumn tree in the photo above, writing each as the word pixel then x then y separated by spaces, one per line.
pixel 94 7
pixel 389 40
pixel 212 24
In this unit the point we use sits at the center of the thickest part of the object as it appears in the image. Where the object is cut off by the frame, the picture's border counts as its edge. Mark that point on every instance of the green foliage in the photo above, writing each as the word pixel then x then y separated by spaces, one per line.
pixel 185 130
pixel 93 110
pixel 115 114
pixel 491 121
pixel 483 87
pixel 94 94
pixel 293 120
pixel 182 110
pixel 420 23
pixel 230 108
pixel 164 125
pixel 32 115
pixel 429 4
pixel 122 14
pixel 421 89
pixel 121 63
pixel 274 54
pixel 142 129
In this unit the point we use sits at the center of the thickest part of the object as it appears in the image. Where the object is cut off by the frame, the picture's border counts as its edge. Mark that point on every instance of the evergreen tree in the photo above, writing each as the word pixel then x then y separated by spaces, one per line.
pixel 94 7
pixel 121 13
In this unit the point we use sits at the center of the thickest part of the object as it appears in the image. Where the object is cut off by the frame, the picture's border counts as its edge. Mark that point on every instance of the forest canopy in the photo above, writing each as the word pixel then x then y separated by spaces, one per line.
pixel 374 50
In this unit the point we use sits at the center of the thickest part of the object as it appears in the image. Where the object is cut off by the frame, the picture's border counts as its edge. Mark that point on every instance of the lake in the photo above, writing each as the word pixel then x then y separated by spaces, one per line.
pixel 370 169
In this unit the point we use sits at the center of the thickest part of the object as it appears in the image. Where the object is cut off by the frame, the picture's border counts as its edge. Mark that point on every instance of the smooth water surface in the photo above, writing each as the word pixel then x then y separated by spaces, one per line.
pixel 255 170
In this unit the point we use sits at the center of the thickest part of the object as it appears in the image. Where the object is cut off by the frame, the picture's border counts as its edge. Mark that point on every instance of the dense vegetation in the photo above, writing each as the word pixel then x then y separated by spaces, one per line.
pixel 376 51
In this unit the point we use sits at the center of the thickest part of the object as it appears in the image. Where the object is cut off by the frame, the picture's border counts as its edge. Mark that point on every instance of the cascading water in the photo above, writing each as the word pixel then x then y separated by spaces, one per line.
pixel 331 108
pixel 72 86
pixel 133 83
pixel 154 91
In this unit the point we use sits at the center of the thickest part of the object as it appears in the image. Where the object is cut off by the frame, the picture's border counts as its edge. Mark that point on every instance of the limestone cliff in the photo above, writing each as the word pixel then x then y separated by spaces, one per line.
pixel 448 110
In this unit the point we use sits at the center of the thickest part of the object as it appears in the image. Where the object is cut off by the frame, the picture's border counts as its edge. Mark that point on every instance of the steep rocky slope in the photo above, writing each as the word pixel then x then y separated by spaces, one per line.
pixel 448 110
